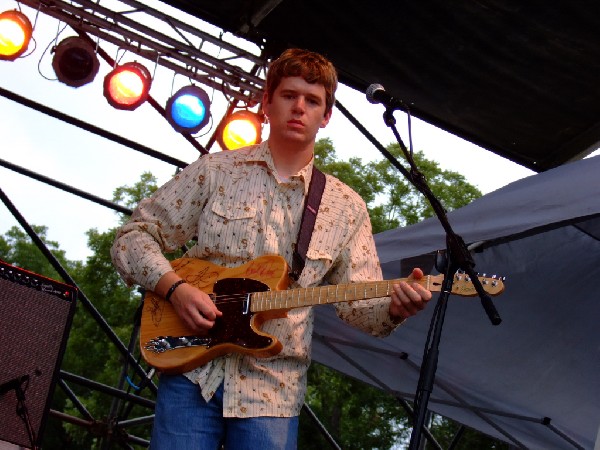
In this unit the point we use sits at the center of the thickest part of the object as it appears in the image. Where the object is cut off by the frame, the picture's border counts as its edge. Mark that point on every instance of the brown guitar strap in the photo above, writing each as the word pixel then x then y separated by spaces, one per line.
pixel 307 224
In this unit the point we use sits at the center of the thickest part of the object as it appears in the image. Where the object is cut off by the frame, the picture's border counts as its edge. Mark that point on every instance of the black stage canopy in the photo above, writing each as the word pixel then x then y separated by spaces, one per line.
pixel 520 79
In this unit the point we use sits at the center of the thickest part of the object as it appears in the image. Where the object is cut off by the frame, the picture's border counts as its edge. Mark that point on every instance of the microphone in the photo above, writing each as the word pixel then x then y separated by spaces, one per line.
pixel 377 94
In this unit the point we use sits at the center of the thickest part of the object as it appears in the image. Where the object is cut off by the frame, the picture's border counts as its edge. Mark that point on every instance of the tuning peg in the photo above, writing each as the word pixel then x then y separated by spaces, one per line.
pixel 497 280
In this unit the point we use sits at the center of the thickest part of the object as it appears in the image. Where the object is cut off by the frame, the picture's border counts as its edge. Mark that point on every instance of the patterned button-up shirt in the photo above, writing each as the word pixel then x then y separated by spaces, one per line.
pixel 236 207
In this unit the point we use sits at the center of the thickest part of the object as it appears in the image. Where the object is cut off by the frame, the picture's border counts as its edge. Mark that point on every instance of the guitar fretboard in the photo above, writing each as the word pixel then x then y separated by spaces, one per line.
pixel 322 295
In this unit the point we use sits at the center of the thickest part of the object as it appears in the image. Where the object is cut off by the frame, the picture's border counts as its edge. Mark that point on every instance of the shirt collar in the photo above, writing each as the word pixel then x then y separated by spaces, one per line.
pixel 261 154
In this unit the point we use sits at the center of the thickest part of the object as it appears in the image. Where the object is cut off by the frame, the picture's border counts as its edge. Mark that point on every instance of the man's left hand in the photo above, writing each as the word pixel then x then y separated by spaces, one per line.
pixel 408 298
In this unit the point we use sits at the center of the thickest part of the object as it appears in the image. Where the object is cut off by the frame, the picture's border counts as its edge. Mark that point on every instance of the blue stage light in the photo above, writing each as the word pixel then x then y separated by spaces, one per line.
pixel 188 110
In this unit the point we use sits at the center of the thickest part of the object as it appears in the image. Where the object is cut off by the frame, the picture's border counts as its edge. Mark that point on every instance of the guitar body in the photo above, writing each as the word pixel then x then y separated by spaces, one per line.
pixel 237 330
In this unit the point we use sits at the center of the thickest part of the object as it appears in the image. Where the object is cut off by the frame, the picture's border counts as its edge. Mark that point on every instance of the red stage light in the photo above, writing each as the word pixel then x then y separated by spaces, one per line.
pixel 15 34
pixel 127 86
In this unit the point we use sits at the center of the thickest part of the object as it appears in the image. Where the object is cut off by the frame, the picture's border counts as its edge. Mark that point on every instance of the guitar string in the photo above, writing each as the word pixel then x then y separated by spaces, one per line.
pixel 226 298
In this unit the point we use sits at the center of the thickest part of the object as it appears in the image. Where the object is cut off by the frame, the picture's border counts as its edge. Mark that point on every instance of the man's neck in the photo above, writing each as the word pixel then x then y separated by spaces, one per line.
pixel 289 158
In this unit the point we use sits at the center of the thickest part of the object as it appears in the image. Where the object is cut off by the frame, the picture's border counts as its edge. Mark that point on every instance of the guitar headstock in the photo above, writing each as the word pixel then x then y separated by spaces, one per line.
pixel 463 285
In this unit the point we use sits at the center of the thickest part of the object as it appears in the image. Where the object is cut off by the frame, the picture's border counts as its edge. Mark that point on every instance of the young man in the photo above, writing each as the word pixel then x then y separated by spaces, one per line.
pixel 241 205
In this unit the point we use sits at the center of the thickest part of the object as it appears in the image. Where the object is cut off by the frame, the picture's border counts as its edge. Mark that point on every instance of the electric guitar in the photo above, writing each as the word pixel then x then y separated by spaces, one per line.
pixel 249 295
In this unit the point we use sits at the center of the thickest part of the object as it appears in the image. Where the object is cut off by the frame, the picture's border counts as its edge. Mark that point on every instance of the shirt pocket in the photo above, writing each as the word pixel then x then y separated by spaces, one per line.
pixel 233 213
pixel 228 232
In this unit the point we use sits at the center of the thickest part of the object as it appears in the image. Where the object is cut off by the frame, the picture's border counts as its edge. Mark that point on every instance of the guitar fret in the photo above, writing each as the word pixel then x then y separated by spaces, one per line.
pixel 318 295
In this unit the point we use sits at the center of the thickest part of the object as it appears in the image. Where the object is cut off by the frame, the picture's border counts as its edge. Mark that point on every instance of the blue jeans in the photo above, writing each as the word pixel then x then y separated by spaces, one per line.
pixel 184 421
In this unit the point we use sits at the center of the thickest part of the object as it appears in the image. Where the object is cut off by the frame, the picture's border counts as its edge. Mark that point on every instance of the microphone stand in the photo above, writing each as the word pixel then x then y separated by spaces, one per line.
pixel 17 384
pixel 457 257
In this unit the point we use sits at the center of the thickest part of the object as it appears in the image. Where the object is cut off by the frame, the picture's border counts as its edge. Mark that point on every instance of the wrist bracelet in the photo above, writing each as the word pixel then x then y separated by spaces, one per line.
pixel 172 289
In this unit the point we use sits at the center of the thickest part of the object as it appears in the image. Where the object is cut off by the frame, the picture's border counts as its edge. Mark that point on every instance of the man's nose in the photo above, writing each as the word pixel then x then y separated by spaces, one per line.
pixel 299 104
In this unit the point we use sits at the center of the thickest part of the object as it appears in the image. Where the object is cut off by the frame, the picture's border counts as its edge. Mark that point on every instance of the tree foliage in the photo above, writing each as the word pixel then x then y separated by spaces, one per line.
pixel 391 199
pixel 90 353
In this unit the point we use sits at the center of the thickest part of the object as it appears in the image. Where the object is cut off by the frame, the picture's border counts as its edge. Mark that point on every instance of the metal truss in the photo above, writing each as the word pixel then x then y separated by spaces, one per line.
pixel 138 28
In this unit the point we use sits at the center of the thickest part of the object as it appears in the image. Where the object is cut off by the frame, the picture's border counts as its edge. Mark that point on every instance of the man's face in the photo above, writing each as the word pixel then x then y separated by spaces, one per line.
pixel 297 110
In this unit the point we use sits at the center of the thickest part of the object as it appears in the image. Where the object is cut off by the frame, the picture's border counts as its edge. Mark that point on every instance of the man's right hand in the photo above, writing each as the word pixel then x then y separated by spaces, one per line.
pixel 194 307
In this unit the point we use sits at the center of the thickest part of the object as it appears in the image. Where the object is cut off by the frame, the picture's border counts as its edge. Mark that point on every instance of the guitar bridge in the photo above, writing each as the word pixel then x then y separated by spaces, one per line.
pixel 162 344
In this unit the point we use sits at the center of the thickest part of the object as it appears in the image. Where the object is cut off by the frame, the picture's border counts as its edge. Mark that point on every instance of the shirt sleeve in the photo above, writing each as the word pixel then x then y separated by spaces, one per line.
pixel 358 262
pixel 162 223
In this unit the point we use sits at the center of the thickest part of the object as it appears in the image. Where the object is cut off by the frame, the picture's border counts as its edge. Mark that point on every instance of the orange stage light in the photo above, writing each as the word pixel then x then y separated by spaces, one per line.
pixel 240 129
pixel 15 34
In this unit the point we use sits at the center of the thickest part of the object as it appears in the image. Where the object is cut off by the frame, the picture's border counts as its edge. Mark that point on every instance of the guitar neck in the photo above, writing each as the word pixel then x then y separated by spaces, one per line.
pixel 322 295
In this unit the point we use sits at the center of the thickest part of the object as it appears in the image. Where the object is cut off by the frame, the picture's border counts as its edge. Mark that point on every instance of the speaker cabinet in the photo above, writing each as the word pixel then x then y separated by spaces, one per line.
pixel 35 318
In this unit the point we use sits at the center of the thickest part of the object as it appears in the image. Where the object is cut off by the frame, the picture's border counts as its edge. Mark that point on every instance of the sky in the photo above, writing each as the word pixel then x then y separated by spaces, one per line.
pixel 98 166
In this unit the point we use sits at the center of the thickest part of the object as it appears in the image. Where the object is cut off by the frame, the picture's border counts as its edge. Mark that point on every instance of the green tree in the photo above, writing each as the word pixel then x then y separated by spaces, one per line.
pixel 391 199
pixel 90 353
pixel 17 249
pixel 357 416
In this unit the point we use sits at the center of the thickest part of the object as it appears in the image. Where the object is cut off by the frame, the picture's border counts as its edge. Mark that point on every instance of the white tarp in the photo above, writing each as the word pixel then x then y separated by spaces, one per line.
pixel 533 380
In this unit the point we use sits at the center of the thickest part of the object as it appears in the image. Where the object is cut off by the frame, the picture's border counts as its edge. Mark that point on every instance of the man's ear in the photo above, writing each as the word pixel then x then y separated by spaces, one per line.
pixel 326 118
pixel 265 104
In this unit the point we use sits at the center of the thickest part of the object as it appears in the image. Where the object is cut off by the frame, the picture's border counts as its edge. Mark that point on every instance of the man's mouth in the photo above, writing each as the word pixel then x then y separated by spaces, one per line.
pixel 295 123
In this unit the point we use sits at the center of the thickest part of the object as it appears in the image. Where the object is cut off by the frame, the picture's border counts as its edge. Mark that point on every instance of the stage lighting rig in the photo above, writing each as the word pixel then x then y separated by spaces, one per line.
pixel 188 110
pixel 241 128
pixel 75 62
pixel 15 34
pixel 215 61
pixel 127 86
